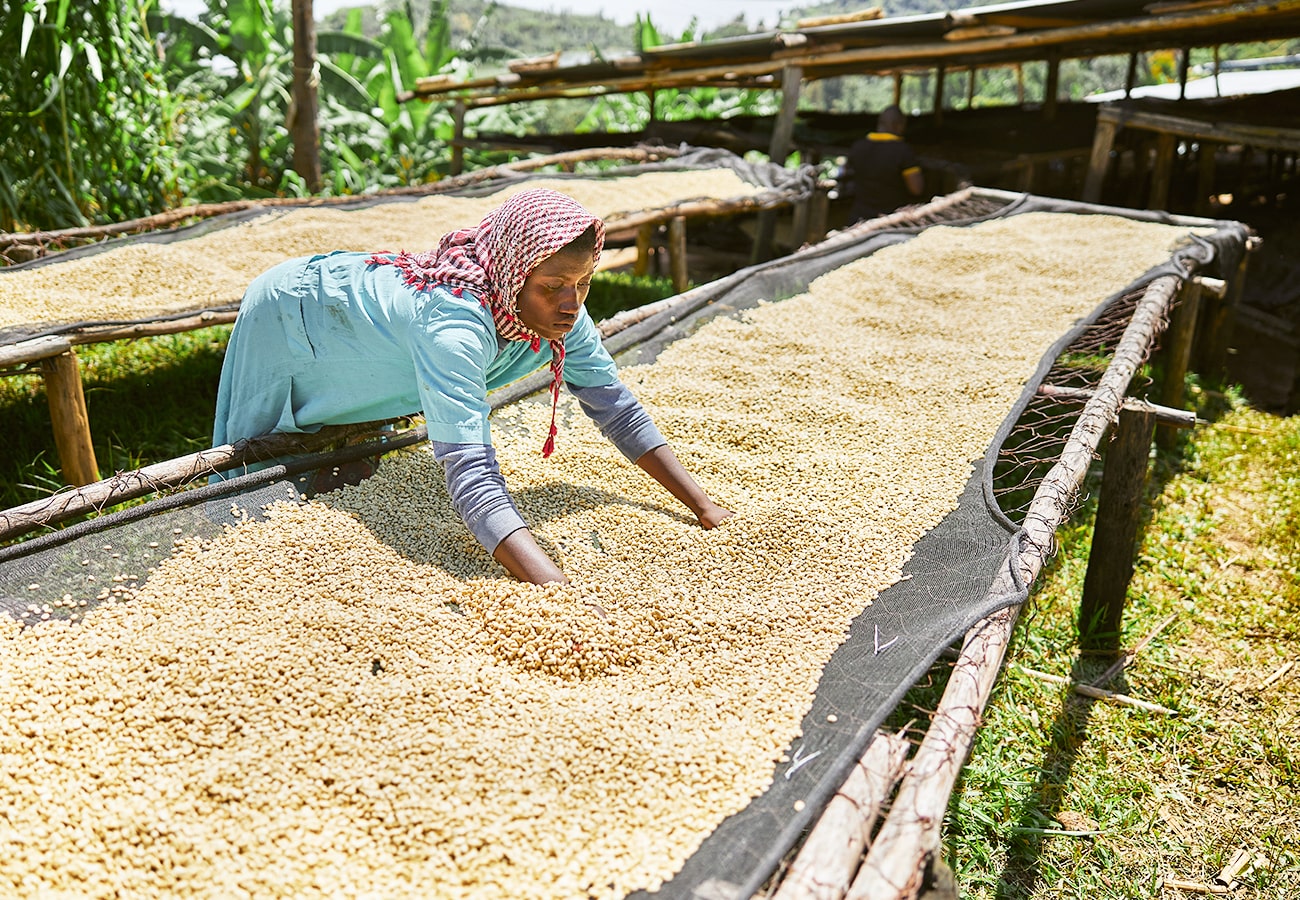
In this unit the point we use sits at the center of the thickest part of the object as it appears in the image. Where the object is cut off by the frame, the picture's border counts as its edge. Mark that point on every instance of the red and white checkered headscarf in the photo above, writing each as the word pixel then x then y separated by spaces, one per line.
pixel 494 259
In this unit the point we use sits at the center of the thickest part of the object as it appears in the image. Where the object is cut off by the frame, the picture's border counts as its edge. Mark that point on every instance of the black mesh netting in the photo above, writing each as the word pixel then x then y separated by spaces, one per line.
pixel 946 586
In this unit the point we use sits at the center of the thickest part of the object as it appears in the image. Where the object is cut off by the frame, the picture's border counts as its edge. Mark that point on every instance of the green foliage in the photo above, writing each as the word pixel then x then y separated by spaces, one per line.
pixel 613 292
pixel 84 128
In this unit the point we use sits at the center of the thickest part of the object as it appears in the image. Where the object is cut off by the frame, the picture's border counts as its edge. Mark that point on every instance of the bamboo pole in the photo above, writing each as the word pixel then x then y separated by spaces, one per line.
pixel 912 831
pixel 831 854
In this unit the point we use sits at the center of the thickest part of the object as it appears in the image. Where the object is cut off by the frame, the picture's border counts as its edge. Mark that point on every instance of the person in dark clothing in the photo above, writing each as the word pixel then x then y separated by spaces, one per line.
pixel 882 169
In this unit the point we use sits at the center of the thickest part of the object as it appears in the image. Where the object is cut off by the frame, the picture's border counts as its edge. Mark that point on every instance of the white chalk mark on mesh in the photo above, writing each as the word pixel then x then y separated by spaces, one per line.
pixel 881 648
pixel 799 762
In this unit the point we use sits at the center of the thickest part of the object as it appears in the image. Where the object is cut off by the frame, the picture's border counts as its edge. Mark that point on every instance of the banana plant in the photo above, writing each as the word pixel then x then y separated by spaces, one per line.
pixel 82 134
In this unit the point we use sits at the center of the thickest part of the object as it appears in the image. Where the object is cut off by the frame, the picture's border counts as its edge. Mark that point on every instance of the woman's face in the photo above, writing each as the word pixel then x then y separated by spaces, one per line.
pixel 553 294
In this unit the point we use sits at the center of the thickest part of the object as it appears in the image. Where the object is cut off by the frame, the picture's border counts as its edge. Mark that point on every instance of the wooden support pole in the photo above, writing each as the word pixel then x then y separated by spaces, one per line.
pixel 1020 84
pixel 1053 88
pixel 819 213
pixel 645 236
pixel 778 151
pixel 1142 153
pixel 970 87
pixel 1178 355
pixel 1130 78
pixel 940 76
pixel 783 131
pixel 898 87
pixel 1103 141
pixel 1184 64
pixel 1119 511
pixel 457 138
pixel 1214 297
pixel 1217 325
pixel 70 419
pixel 799 220
pixel 1204 176
pixel 677 254
pixel 1166 144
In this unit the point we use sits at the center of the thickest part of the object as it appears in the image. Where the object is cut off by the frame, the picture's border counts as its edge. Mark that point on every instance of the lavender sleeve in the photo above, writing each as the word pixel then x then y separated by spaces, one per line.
pixel 478 492
pixel 620 417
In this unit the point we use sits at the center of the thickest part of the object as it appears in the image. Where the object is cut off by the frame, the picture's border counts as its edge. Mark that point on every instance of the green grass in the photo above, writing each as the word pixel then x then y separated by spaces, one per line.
pixel 148 400
pixel 1167 796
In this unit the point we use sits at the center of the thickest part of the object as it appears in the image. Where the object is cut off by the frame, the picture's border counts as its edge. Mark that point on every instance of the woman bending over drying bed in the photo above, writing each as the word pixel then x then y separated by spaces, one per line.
pixel 349 337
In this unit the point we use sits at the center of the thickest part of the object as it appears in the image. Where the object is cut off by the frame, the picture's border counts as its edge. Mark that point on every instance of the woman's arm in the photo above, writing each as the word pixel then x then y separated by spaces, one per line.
pixel 662 465
pixel 524 558
pixel 627 425
pixel 478 494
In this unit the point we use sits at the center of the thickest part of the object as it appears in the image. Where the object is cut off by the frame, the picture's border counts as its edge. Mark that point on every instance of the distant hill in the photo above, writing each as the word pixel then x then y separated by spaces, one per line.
pixel 501 31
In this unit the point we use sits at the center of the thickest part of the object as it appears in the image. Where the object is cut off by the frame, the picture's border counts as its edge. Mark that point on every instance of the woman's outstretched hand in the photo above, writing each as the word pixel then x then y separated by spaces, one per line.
pixel 662 465
pixel 712 514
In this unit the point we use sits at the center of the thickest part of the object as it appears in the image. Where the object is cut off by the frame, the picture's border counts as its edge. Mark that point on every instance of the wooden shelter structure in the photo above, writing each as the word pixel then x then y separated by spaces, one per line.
pixel 1008 34
pixel 1241 127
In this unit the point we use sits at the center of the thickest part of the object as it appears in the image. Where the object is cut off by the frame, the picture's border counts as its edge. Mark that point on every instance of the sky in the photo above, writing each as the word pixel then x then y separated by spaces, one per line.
pixel 669 16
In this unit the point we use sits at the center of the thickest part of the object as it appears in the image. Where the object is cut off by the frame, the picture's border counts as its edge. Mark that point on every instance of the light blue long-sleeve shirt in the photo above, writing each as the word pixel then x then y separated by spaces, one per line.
pixel 330 340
